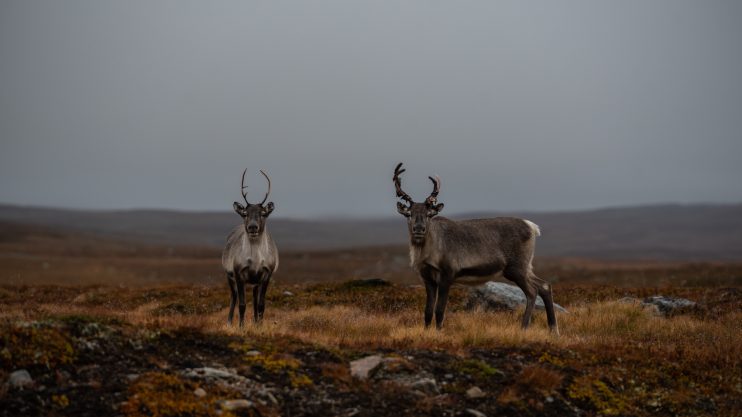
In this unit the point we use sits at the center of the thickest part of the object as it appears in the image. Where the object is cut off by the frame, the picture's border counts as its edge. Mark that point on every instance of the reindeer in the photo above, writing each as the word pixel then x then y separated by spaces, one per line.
pixel 250 256
pixel 470 252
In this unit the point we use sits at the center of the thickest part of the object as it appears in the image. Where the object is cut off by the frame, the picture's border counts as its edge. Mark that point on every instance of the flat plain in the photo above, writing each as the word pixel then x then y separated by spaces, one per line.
pixel 110 327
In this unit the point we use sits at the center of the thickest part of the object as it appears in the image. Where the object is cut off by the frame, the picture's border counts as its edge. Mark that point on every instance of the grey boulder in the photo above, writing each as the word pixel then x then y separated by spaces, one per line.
pixel 499 296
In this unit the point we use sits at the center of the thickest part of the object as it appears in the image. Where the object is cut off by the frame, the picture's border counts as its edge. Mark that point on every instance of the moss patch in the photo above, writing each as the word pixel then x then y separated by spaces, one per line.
pixel 34 345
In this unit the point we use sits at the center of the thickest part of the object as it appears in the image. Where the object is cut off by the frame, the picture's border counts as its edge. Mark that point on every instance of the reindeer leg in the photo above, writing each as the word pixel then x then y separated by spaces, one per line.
pixel 521 278
pixel 440 307
pixel 241 295
pixel 256 303
pixel 431 289
pixel 545 292
pixel 233 296
pixel 264 288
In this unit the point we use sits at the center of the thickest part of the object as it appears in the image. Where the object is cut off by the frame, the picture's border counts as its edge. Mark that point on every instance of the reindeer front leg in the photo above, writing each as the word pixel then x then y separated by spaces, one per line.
pixel 263 290
pixel 440 308
pixel 258 295
pixel 233 296
pixel 431 290
pixel 241 296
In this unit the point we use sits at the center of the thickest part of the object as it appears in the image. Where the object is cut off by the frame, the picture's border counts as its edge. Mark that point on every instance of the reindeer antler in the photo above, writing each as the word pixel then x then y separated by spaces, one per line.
pixel 243 186
pixel 398 184
pixel 436 189
pixel 269 187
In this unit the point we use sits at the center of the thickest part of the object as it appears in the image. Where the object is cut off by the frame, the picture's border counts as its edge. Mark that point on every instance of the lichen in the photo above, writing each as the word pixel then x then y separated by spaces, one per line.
pixel 60 401
pixel 476 368
pixel 34 345
pixel 159 394
pixel 548 358
pixel 599 394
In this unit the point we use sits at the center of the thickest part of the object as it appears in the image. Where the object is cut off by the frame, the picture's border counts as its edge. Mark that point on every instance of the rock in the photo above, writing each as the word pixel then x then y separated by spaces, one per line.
pixel 252 353
pixel 474 392
pixel 132 377
pixel 362 367
pixel 212 373
pixel 406 373
pixel 475 413
pixel 425 384
pixel 199 392
pixel 20 379
pixel 497 296
pixel 668 306
pixel 232 405
pixel 288 293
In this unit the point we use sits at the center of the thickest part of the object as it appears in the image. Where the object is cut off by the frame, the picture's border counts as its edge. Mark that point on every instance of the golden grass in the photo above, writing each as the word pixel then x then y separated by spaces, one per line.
pixel 615 356
pixel 597 325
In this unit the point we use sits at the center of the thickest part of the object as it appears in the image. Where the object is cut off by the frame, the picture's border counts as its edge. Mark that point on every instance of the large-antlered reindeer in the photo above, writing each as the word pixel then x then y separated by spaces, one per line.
pixel 444 251
pixel 250 256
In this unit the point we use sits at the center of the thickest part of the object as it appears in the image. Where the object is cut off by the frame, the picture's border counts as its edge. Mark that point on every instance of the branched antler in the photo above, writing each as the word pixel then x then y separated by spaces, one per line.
pixel 432 199
pixel 398 184
pixel 269 187
pixel 243 186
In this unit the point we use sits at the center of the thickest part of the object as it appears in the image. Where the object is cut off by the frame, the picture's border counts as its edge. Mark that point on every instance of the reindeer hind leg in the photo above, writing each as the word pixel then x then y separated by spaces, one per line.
pixel 521 278
pixel 546 294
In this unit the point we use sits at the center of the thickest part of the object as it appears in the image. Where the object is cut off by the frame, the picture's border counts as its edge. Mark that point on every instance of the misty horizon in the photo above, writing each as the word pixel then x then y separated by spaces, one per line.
pixel 388 216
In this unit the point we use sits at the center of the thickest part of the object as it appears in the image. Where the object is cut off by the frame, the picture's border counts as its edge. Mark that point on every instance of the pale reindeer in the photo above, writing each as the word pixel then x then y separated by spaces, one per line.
pixel 250 256
pixel 444 251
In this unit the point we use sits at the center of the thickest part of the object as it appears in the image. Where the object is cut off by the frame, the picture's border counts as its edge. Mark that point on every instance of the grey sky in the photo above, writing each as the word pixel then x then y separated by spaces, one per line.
pixel 516 105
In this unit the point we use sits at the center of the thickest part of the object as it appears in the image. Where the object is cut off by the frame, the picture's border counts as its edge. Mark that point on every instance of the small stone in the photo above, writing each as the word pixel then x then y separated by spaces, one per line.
pixel 252 353
pixel 232 405
pixel 288 293
pixel 199 392
pixel 20 379
pixel 549 399
pixel 212 373
pixel 475 392
pixel 362 367
pixel 448 376
pixel 427 385
pixel 132 377
pixel 475 413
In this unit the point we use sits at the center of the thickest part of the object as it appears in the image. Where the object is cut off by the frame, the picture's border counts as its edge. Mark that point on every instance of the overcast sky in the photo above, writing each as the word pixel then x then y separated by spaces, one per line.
pixel 537 105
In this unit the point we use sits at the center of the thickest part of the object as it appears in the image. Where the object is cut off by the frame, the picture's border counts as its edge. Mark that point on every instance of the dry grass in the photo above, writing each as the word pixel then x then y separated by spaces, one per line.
pixel 599 325
pixel 610 354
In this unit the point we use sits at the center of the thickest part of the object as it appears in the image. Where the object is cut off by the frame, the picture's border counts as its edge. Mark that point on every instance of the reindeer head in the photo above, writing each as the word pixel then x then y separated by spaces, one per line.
pixel 418 214
pixel 254 215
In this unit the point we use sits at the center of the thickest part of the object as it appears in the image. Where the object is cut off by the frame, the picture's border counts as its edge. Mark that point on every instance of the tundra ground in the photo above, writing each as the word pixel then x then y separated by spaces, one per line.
pixel 167 351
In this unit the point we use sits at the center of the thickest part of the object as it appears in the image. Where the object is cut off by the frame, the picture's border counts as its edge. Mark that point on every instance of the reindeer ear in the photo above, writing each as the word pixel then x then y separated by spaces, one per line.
pixel 239 209
pixel 434 209
pixel 268 209
pixel 403 210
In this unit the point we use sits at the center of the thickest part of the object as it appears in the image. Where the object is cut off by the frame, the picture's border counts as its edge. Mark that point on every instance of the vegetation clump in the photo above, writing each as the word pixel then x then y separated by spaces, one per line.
pixel 34 345
pixel 477 369
pixel 598 394
pixel 160 394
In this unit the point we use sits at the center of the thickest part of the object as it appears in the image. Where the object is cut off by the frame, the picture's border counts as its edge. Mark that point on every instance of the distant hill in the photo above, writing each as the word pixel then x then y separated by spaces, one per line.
pixel 662 232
